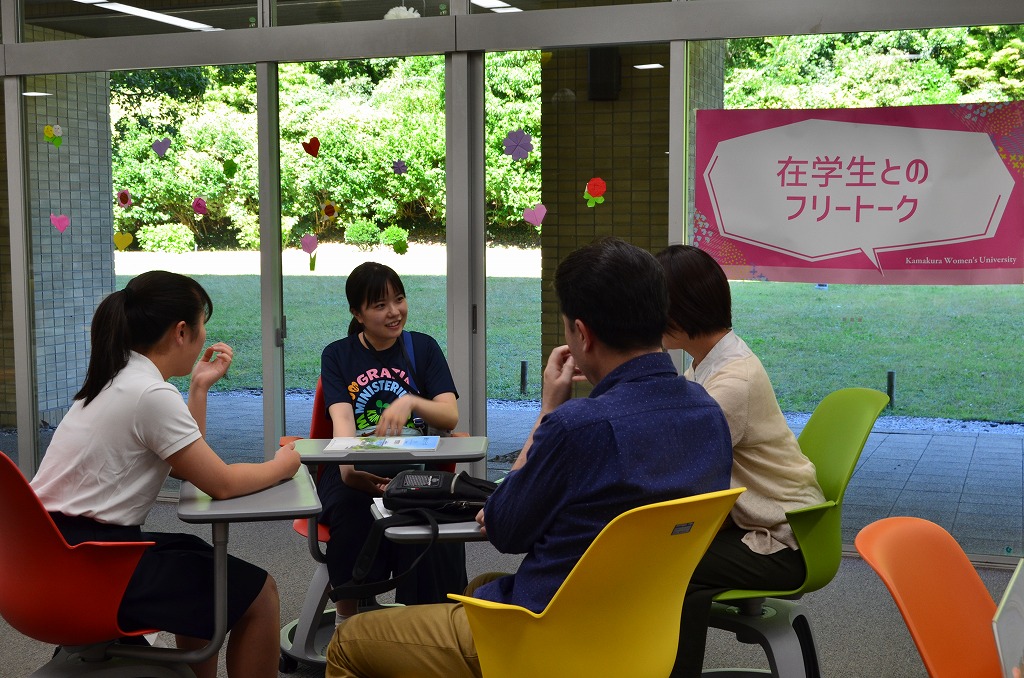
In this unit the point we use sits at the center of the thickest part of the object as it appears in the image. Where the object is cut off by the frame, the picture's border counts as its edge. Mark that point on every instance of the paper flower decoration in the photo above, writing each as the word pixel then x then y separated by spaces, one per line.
pixel 594 193
pixel 230 168
pixel 160 147
pixel 328 212
pixel 124 198
pixel 199 206
pixel 535 215
pixel 60 221
pixel 402 13
pixel 312 146
pixel 518 144
pixel 399 167
pixel 309 245
pixel 122 240
pixel 53 134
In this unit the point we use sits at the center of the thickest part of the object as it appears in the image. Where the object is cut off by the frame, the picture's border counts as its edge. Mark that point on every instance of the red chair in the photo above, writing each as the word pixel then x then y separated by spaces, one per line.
pixel 305 639
pixel 65 595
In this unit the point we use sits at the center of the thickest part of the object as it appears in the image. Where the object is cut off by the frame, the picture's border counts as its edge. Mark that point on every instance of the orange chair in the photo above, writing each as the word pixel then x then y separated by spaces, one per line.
pixel 66 595
pixel 942 599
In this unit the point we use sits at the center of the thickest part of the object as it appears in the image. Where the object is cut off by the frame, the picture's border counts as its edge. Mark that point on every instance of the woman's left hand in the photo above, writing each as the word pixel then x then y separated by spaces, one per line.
pixel 212 365
pixel 394 417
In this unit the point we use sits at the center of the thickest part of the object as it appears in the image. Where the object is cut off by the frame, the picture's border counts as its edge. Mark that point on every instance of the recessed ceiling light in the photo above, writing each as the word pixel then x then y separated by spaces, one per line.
pixel 503 10
pixel 647 67
pixel 36 94
pixel 489 4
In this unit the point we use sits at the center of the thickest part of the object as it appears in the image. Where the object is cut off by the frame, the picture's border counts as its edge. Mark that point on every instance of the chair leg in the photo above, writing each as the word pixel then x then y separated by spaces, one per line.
pixel 305 638
pixel 782 629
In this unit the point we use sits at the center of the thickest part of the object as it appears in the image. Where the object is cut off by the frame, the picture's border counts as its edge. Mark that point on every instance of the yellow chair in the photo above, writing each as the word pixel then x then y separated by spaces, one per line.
pixel 617 613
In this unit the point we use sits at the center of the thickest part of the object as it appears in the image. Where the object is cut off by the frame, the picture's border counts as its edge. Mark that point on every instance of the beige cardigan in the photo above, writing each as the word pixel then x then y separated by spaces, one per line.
pixel 766 456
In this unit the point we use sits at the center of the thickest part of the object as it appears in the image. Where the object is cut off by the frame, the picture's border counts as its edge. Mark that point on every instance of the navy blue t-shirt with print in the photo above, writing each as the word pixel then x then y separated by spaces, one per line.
pixel 371 380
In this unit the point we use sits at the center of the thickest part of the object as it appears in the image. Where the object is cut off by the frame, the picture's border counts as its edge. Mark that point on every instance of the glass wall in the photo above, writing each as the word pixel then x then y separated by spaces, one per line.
pixel 577 149
pixel 137 171
pixel 941 349
pixel 363 179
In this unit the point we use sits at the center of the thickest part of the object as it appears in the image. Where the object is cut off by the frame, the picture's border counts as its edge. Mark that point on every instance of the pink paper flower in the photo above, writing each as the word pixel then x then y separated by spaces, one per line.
pixel 309 243
pixel 199 206
pixel 124 198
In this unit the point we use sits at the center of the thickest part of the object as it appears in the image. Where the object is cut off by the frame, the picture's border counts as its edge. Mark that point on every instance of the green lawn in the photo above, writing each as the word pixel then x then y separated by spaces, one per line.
pixel 956 351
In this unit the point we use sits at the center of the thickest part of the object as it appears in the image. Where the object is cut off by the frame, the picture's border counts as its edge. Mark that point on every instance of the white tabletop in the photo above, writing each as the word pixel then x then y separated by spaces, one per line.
pixel 294 498
pixel 463 448
pixel 467 530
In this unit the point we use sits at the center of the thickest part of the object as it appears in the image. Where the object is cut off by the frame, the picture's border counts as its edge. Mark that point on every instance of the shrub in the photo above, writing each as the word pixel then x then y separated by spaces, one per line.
pixel 171 238
pixel 395 237
pixel 363 234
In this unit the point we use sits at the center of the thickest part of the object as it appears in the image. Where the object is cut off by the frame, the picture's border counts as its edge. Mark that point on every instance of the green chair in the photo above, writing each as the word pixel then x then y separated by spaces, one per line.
pixel 832 439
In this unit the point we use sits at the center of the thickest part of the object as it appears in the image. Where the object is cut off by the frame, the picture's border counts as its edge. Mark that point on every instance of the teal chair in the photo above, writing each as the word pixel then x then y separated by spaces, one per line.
pixel 832 439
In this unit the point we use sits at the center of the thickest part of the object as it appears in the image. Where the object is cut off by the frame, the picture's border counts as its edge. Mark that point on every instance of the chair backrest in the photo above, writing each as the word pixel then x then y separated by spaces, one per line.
pixel 50 591
pixel 617 613
pixel 940 595
pixel 320 424
pixel 833 440
pixel 834 436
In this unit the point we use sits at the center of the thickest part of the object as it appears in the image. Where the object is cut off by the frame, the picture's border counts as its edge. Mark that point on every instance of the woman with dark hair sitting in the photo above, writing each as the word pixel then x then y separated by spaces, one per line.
pixel 755 549
pixel 384 381
pixel 126 431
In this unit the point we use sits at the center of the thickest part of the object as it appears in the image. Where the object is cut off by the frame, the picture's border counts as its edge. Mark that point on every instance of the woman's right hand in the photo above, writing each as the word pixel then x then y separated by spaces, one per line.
pixel 288 459
pixel 364 481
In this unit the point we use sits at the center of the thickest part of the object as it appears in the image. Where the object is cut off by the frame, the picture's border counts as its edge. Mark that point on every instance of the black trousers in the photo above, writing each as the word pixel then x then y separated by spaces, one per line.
pixel 728 564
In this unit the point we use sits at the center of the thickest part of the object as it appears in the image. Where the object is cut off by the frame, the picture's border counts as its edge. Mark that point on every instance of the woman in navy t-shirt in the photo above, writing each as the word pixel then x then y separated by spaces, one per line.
pixel 381 380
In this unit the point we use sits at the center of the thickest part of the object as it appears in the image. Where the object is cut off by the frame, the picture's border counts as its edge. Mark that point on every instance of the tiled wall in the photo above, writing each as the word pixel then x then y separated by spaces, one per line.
pixel 624 141
pixel 71 271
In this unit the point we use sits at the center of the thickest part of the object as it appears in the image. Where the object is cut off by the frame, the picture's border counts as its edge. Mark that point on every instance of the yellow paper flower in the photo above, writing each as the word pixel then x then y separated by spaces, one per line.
pixel 48 131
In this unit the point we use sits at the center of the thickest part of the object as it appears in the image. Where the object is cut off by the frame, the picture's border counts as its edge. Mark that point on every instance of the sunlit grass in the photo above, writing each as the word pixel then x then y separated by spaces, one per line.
pixel 955 351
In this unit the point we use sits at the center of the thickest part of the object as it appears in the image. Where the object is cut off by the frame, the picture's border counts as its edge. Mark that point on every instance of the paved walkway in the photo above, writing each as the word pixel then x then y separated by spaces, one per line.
pixel 971 483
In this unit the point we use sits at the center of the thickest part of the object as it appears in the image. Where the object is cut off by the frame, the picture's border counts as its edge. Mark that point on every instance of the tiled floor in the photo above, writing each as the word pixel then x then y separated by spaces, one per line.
pixel 971 484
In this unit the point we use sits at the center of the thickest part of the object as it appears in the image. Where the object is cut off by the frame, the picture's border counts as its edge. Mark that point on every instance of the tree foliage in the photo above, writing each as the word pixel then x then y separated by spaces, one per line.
pixel 381 131
pixel 894 68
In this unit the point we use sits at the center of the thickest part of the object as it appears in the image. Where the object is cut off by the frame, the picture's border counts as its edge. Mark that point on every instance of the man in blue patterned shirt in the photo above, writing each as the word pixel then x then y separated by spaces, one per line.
pixel 642 436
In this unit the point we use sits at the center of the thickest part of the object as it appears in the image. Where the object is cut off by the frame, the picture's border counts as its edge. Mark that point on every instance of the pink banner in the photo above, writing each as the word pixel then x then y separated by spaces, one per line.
pixel 911 195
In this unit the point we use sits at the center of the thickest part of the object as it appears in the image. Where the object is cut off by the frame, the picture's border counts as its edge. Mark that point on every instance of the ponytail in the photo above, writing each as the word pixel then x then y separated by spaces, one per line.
pixel 354 326
pixel 135 319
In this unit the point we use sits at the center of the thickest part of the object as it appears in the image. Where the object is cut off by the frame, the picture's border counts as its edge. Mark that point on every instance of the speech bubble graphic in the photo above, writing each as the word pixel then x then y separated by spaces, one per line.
pixel 820 189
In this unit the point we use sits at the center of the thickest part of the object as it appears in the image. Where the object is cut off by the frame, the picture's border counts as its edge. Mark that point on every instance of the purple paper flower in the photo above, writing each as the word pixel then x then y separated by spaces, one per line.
pixel 518 144
pixel 199 206
pixel 399 167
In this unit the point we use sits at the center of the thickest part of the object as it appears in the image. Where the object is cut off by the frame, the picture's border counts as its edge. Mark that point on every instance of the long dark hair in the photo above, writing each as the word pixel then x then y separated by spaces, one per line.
pixel 367 283
pixel 136 318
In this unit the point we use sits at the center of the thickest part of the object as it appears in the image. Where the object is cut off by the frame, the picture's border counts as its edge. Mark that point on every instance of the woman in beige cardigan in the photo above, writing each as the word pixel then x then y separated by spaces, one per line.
pixel 755 549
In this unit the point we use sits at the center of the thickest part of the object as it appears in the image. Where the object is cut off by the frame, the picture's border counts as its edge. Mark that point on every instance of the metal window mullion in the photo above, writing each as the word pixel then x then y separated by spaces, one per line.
pixel 466 275
pixel 22 296
pixel 272 322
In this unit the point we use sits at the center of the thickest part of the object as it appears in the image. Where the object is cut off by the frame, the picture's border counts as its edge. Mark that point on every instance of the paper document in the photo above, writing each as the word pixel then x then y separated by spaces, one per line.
pixel 384 443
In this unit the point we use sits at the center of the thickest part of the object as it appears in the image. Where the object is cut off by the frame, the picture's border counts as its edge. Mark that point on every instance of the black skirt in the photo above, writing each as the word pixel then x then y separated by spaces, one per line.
pixel 172 586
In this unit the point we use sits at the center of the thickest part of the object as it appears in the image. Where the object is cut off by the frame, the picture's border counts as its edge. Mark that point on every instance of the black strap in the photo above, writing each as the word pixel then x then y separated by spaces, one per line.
pixel 356 588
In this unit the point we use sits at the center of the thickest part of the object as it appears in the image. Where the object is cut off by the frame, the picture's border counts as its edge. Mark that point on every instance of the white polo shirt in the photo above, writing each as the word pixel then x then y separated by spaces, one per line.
pixel 107 461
